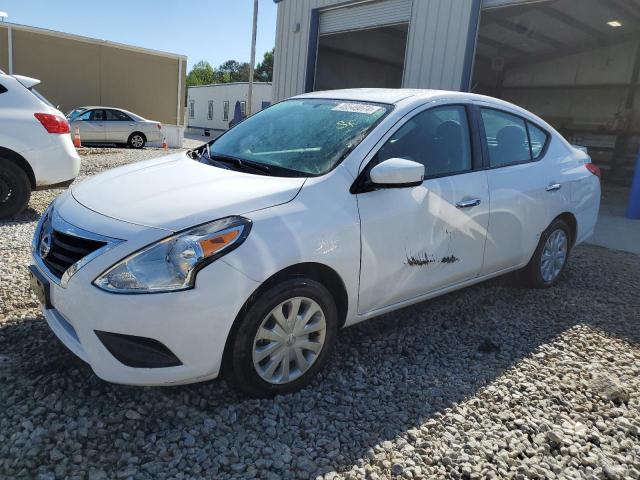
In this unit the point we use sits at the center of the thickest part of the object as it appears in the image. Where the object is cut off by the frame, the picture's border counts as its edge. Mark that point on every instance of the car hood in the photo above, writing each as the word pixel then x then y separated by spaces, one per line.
pixel 176 192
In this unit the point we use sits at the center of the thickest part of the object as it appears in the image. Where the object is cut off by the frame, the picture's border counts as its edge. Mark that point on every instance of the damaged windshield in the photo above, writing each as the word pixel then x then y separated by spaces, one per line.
pixel 308 136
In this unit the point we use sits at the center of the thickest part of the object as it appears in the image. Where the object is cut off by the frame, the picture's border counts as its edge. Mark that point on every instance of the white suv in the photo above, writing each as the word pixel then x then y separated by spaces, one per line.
pixel 36 151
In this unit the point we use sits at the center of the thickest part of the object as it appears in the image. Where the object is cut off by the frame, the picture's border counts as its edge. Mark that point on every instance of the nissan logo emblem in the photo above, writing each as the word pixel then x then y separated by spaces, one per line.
pixel 45 245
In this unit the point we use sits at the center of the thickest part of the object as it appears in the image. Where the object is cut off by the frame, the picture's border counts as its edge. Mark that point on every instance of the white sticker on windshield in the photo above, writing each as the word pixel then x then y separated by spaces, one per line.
pixel 356 108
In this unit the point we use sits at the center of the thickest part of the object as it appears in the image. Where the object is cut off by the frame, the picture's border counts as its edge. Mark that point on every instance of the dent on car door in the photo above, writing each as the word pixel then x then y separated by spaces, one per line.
pixel 420 239
pixel 521 182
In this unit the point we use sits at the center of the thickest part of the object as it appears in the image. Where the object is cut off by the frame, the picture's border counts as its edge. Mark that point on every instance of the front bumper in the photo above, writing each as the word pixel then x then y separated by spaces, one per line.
pixel 192 325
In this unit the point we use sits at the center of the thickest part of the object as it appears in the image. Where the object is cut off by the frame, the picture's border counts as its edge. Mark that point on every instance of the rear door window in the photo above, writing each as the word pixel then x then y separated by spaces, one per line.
pixel 507 138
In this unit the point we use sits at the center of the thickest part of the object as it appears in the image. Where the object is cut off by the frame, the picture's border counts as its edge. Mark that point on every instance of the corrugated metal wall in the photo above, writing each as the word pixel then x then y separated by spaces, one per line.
pixel 76 72
pixel 436 50
pixel 437 44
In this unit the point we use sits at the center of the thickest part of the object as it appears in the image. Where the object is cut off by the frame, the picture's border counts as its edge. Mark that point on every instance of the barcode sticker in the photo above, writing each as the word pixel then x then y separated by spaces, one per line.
pixel 357 108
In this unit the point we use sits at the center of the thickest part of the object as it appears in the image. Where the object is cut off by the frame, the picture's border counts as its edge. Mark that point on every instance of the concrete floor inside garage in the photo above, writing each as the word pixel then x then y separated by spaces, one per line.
pixel 614 230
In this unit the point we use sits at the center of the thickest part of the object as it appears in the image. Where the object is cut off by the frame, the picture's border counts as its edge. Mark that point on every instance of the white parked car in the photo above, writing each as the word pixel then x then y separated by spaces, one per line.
pixel 36 151
pixel 247 255
pixel 113 125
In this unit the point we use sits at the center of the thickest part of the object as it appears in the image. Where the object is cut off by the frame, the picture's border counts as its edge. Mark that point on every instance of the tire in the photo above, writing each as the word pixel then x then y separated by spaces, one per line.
pixel 15 189
pixel 535 274
pixel 137 140
pixel 243 367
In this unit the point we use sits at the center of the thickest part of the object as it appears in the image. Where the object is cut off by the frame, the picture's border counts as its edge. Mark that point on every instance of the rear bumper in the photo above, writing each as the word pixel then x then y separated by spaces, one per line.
pixel 64 184
pixel 154 136
pixel 57 164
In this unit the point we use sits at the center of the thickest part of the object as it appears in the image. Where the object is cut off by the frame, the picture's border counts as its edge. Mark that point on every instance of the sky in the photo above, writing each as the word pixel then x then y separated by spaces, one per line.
pixel 211 30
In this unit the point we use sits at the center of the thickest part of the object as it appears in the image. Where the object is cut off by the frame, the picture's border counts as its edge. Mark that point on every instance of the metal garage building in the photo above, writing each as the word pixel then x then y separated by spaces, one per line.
pixel 78 71
pixel 327 44
pixel 574 62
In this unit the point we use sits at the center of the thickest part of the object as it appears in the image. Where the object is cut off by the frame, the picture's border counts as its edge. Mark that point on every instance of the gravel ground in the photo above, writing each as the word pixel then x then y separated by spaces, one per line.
pixel 493 381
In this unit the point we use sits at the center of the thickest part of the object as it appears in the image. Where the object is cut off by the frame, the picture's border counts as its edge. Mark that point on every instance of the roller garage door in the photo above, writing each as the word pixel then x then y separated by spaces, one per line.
pixel 365 15
pixel 363 45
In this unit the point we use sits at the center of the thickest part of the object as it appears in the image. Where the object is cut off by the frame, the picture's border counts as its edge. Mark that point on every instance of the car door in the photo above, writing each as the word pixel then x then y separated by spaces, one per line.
pixel 521 186
pixel 417 240
pixel 91 125
pixel 118 126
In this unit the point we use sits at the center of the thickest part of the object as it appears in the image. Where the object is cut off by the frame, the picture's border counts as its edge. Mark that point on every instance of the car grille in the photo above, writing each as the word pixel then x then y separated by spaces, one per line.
pixel 67 250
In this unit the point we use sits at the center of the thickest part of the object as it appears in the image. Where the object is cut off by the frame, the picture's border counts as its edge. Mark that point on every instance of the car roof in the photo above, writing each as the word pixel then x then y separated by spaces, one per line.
pixel 378 95
pixel 411 98
pixel 395 96
pixel 93 107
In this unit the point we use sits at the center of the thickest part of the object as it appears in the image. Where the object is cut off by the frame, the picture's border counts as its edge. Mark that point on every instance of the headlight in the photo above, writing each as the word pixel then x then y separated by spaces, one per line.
pixel 171 264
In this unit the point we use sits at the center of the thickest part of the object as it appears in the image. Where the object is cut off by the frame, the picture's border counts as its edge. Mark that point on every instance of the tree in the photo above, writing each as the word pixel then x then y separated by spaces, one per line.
pixel 233 71
pixel 202 73
pixel 264 69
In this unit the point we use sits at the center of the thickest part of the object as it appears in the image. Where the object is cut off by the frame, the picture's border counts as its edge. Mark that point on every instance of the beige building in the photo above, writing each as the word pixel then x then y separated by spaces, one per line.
pixel 77 71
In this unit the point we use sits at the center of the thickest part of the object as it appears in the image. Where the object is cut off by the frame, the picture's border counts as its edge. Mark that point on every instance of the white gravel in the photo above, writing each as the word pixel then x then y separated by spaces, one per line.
pixel 493 381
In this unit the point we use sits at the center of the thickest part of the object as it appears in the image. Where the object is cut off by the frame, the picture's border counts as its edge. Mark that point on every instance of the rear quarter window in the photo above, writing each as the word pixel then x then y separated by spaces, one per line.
pixel 539 139
pixel 2 88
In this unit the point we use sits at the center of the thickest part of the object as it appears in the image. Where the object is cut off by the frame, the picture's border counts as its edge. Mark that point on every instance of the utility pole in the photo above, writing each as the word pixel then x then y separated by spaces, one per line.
pixel 253 56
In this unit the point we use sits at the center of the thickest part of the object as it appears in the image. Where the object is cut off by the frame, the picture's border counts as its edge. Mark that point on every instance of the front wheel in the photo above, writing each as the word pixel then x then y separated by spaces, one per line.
pixel 15 189
pixel 551 256
pixel 283 339
pixel 137 140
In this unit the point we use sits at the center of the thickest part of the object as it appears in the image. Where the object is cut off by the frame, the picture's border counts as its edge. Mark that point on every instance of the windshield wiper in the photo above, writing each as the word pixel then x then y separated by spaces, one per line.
pixel 242 164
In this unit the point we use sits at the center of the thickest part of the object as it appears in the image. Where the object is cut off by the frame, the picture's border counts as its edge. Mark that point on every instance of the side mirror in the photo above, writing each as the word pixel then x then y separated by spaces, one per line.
pixel 397 173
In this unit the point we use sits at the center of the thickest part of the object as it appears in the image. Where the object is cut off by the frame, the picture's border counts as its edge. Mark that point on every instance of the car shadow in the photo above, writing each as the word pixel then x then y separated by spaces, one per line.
pixel 386 376
pixel 29 215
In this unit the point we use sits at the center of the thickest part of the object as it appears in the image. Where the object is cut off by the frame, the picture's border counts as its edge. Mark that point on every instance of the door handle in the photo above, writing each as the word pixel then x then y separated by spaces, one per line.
pixel 553 187
pixel 474 202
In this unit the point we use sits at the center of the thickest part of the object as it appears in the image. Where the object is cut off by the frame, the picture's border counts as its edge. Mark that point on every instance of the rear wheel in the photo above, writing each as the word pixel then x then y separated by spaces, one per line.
pixel 15 189
pixel 550 258
pixel 137 140
pixel 283 339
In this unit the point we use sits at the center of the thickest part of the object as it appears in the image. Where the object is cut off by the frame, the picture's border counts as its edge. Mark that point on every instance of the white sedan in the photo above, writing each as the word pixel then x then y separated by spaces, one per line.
pixel 113 125
pixel 246 256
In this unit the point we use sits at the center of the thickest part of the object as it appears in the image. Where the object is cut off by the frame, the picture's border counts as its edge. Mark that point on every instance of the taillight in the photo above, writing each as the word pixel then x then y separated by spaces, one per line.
pixel 53 123
pixel 594 169
pixel 159 125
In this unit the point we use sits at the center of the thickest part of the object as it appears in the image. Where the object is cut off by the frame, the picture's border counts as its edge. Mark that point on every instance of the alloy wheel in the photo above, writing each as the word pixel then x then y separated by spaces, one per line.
pixel 289 340
pixel 137 141
pixel 554 255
